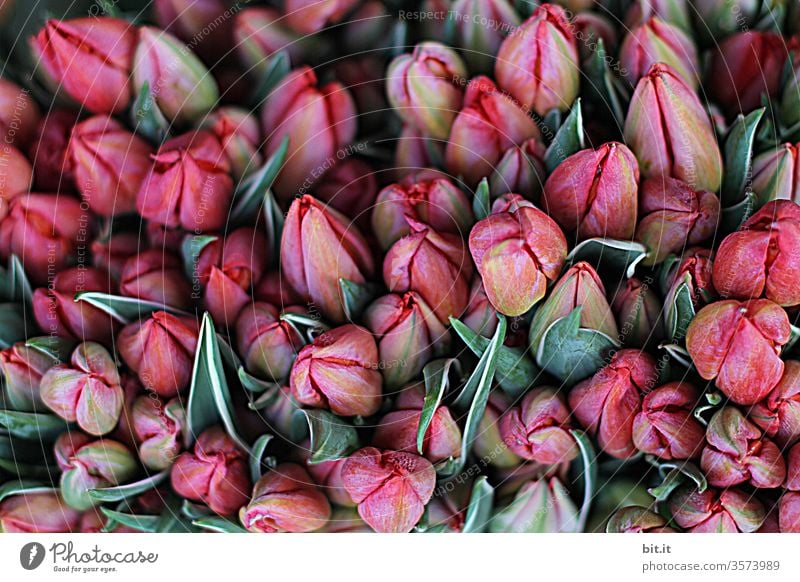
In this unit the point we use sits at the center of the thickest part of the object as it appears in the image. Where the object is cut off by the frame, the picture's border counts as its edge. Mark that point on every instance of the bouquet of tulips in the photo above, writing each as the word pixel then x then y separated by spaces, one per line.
pixel 400 266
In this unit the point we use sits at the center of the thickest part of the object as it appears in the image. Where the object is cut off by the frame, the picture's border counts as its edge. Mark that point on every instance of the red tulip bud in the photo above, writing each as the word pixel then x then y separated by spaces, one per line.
pixel 738 344
pixel 712 511
pixel 274 289
pixel 214 473
pixel 489 444
pixel 39 513
pixel 789 512
pixel 19 115
pixel 309 16
pixel 778 415
pixel 261 31
pixel 204 24
pixel 633 519
pixel 339 371
pixel 696 271
pixel 267 344
pixel 776 173
pixel 350 187
pixel 391 488
pixel 480 27
pixel 328 475
pixel 656 41
pixel 590 27
pixel 480 315
pixel 675 12
pixel 158 427
pixel 22 369
pixel 240 136
pixel 665 426
pixel 153 275
pixel 520 169
pixel 541 505
pixel 607 403
pixel 414 152
pixel 638 310
pixel 16 174
pixel 517 255
pixel 48 152
pixel 110 254
pixel 161 351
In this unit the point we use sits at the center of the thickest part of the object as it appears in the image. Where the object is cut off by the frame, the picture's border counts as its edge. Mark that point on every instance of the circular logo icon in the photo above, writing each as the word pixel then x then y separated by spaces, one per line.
pixel 31 555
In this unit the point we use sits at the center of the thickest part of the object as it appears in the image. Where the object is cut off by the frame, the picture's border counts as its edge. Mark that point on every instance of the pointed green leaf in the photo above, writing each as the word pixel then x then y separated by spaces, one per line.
pixel 588 475
pixel 356 297
pixel 22 486
pixel 732 217
pixel 257 460
pixel 679 312
pixel 14 284
pixel 55 347
pixel 332 437
pixel 618 256
pixel 437 378
pixel 739 156
pixel 481 204
pixel 126 309
pixel 191 247
pixel 32 425
pixel 146 117
pixel 603 86
pixel 145 523
pixel 120 492
pixel 219 525
pixel 276 69
pixel 678 353
pixel 273 223
pixel 674 475
pixel 252 192
pixel 479 510
pixel 253 384
pixel 568 139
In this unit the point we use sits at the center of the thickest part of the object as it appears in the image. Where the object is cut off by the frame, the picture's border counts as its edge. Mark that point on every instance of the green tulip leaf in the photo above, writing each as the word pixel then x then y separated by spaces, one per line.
pixel 794 335
pixel 120 492
pixel 253 384
pixel 603 86
pixel 277 67
pixel 481 202
pixel 126 309
pixel 306 326
pixel 273 223
pixel 257 461
pixel 12 324
pixel 23 486
pixel 675 475
pixel 26 459
pixel 713 399
pixel 59 349
pixel 619 257
pixel 356 297
pixel 678 353
pixel 437 379
pixel 32 425
pixel 14 284
pixel 145 523
pixel 191 247
pixel 739 156
pixel 195 510
pixel 588 475
pixel 568 139
pixel 664 269
pixel 479 510
pixel 146 117
pixel 252 192
pixel 332 437
pixel 732 217
pixel 174 520
pixel 219 525
pixel 680 311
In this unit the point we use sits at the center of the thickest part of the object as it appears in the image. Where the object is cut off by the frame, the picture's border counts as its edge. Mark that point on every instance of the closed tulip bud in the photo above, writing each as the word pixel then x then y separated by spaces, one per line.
pixel 204 24
pixel 720 19
pixel 48 152
pixel 789 512
pixel 267 344
pixel 274 289
pixel 160 350
pixel 88 464
pixel 90 58
pixel 429 199
pixel 580 286
pixel 397 430
pixel 737 453
pixel 39 513
pixel 594 192
pixel 634 519
pixel 665 426
pixel 435 265
pixel 178 82
pixel 696 271
pixel 713 511
pixel 425 88
pixel 638 312
pixel 517 255
pixel 310 16
pixel 414 152
pixel 540 506
pixel 339 371
pixel 43 230
pixel 215 473
pixel 391 488
pixel 480 315
pixel 670 132
pixel 674 12
pixel 793 469
pixel 259 32
pixel 57 312
pixel 656 41
pixel 520 169
pixel 16 175
pixel 738 344
pixel 489 445
pixel 674 215
pixel 319 246
pixel 158 427
pixel 154 275
pixel 489 123
pixel 320 122
pixel 87 390
pixel 776 174
pixel 328 475
pixel 607 403
pixel 240 136
pixel 19 115
pixel 111 253
pixel 746 66
pixel 408 333
pixel 279 414
pixel 285 500
pixel 538 429
pixel 778 415
pixel 350 187
pixel 188 184
pixel 481 26
pixel 538 62
pixel 22 369
pixel 510 202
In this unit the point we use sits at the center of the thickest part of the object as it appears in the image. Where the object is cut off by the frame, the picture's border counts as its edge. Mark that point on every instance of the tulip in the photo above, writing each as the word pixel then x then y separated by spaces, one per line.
pixel 656 41
pixel 696 271
pixel 580 286
pixel 674 12
pixel 391 488
pixel 520 169
pixel 414 152
pixel 430 199
pixel 489 123
pixel 673 216
pixel 670 132
pixel 57 312
pixel 433 264
pixel 591 27
pixel 215 473
pixel 489 445
pixel 721 19
pixel 319 246
pixel 88 464
pixel 158 427
pixel 328 476
pixel 111 253
pixel 285 500
pixel 339 371
pixel 738 344
pixel 350 187
pixel 509 202
pixel 39 513
pixel 16 175
pixel 188 184
pixel 48 152
pixel 397 430
pixel 737 453
pixel 517 254
pixel 178 82
pixel 539 429
pixel 793 469
pixel 712 511
pixel 638 312
pixel 280 413
pixel 320 122
pixel 310 16
pixel 153 275
pixel 204 24
pixel 87 390
pixel 259 32
pixel 409 336
pixel 239 135
pixel 746 66
pixel 19 115
pixel 665 426
pixel 481 26
pixel 593 192
pixel 538 62
pixel 274 289
pixel 363 74
pixel 607 403
pixel 160 350
pixel 267 344
pixel 480 315
pixel 90 58
pixel 425 88
pixel 43 230
pixel 109 164
pixel 633 519
pixel 540 506
pixel 22 369
pixel 776 174
pixel 789 512
pixel 778 414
